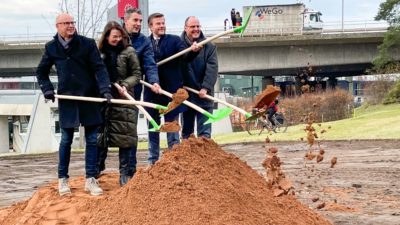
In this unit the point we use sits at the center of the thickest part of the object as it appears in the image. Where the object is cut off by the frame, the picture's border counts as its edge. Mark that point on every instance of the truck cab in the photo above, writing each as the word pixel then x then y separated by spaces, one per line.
pixel 312 20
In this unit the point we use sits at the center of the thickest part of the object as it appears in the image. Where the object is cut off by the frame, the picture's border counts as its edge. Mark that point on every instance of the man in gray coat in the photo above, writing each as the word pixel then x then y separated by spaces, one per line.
pixel 80 72
pixel 202 75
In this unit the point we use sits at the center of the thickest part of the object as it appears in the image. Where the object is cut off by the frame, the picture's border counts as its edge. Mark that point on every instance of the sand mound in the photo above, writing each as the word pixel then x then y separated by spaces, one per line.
pixel 195 183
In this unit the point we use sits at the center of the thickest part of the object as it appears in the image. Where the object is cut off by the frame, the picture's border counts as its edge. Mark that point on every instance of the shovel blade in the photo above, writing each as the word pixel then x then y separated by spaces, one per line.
pixel 219 115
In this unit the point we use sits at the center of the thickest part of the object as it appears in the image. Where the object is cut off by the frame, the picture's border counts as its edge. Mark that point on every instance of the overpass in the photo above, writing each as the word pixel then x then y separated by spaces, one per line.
pixel 340 54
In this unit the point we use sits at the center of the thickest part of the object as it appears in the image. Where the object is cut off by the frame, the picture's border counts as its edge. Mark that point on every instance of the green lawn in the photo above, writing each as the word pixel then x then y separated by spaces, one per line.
pixel 372 122
pixel 369 122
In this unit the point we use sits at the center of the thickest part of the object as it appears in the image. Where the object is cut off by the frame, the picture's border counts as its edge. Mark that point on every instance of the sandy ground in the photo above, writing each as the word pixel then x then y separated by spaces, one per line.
pixel 363 188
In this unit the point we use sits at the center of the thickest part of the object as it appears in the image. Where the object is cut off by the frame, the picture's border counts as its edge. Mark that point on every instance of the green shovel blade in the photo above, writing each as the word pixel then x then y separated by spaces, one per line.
pixel 245 23
pixel 156 127
pixel 161 107
pixel 218 115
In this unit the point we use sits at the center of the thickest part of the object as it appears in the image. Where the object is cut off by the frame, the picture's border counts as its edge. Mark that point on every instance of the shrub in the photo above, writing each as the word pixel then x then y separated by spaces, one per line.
pixel 394 95
pixel 324 106
pixel 376 91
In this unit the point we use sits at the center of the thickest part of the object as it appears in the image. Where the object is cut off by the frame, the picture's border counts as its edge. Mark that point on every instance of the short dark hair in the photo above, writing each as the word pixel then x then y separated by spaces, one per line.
pixel 154 15
pixel 130 11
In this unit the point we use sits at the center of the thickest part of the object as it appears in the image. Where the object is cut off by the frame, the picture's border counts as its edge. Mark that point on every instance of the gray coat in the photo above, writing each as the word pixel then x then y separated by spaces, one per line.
pixel 202 72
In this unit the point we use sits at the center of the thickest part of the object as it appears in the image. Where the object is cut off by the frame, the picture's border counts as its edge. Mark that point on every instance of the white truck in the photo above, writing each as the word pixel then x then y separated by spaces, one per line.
pixel 283 19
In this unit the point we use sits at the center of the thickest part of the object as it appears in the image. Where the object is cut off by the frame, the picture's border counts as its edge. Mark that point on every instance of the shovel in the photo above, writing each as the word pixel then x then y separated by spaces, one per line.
pixel 156 127
pixel 176 99
pixel 138 104
pixel 239 29
pixel 216 116
pixel 246 114
pixel 115 101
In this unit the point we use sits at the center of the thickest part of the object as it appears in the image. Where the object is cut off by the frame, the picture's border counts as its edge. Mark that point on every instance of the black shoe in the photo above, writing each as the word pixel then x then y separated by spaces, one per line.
pixel 123 179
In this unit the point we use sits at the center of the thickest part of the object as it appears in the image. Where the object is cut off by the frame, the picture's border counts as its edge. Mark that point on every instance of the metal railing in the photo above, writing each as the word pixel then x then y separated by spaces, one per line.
pixel 278 29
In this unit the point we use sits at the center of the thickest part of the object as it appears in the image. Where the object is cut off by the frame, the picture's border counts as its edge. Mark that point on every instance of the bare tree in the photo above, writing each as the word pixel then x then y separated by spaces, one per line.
pixel 90 15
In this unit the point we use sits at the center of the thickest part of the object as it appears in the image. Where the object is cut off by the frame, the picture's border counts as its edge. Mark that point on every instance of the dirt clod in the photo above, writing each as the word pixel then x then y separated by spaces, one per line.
pixel 177 98
pixel 320 158
pixel 170 127
pixel 315 199
pixel 333 161
pixel 321 205
pixel 267 96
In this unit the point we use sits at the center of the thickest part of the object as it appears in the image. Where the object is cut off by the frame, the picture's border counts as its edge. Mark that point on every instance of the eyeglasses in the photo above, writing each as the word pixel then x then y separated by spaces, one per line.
pixel 194 26
pixel 68 23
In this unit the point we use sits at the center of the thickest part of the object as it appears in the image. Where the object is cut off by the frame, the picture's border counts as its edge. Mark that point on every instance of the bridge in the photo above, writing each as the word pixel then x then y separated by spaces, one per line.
pixel 330 54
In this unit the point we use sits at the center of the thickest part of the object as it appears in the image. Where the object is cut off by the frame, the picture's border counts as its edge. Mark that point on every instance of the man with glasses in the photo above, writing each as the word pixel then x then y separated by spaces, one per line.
pixel 202 75
pixel 170 75
pixel 80 72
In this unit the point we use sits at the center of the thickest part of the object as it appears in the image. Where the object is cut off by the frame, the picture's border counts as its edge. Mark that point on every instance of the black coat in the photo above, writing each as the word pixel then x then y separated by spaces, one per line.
pixel 80 72
pixel 171 73
pixel 202 71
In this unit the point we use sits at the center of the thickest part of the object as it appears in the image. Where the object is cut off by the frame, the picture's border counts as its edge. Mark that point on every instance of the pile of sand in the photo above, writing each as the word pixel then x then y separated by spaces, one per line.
pixel 195 183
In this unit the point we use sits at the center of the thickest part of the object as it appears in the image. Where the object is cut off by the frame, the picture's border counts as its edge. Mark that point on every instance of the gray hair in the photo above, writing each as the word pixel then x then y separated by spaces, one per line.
pixel 187 19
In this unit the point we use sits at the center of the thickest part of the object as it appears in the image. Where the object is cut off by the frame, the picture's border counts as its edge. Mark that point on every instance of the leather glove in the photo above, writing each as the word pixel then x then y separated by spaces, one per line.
pixel 108 96
pixel 49 95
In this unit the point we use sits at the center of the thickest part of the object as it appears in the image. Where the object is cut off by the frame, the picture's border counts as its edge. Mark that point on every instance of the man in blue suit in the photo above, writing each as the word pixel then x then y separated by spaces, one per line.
pixel 171 77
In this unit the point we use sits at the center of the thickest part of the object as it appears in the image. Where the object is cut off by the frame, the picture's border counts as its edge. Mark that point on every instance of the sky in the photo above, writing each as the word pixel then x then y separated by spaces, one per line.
pixel 23 17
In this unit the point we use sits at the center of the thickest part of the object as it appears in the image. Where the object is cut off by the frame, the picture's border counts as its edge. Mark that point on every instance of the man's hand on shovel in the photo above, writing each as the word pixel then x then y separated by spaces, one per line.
pixel 203 93
pixel 156 88
pixel 196 47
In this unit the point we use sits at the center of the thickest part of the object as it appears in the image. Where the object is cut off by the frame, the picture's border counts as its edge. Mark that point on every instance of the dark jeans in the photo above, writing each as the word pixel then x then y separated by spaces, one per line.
pixel 271 112
pixel 127 160
pixel 154 137
pixel 188 118
pixel 67 135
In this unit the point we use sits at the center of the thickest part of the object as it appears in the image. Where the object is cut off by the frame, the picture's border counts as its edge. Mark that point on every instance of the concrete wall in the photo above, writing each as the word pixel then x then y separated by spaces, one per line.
pixel 40 137
pixel 4 141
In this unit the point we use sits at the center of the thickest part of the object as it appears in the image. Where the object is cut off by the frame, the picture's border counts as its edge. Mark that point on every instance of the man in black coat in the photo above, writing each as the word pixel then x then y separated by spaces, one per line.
pixel 170 75
pixel 202 75
pixel 80 72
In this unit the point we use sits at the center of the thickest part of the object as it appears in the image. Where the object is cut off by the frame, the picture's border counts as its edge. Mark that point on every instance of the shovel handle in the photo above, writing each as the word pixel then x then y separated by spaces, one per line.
pixel 161 90
pixel 220 101
pixel 189 48
pixel 93 99
pixel 191 105
pixel 237 29
pixel 141 108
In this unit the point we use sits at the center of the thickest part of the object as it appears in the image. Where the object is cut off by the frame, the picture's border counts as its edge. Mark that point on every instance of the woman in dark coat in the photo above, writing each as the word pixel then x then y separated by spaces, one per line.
pixel 120 127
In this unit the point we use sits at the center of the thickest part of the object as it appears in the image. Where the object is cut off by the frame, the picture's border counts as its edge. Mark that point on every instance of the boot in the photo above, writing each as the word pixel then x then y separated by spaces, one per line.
pixel 123 179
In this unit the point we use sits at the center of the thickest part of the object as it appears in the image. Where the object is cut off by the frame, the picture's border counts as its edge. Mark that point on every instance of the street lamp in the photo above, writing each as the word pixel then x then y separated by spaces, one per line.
pixel 342 15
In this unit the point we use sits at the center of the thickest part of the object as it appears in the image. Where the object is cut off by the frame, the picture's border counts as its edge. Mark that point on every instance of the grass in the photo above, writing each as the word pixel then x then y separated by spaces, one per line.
pixel 368 122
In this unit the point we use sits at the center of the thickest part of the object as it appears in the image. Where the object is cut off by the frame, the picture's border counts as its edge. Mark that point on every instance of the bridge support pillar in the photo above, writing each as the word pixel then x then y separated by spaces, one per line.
pixel 267 81
pixel 217 87
pixel 332 82
pixel 4 142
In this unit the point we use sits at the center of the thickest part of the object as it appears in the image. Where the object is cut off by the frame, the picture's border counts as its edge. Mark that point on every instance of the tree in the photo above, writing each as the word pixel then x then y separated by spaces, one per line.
pixel 90 15
pixel 384 63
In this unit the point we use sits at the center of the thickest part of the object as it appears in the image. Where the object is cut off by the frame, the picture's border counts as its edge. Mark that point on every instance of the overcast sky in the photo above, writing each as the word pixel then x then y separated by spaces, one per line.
pixel 37 16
